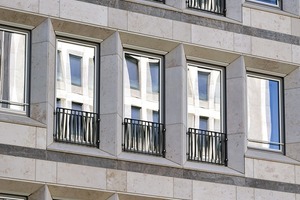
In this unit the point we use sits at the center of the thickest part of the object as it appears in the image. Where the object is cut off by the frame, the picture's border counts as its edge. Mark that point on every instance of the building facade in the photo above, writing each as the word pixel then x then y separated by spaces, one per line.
pixel 149 99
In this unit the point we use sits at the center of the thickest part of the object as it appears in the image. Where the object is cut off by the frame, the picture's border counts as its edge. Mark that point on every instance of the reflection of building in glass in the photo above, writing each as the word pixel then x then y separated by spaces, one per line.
pixel 263 112
pixel 142 87
pixel 13 71
pixel 204 98
pixel 75 76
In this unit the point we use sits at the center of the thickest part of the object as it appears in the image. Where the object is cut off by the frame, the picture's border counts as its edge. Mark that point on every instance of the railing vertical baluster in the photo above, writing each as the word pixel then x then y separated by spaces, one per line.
pixel 214 6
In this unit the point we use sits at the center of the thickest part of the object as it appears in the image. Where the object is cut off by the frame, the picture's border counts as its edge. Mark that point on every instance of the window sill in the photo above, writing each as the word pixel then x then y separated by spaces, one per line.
pixel 212 168
pixel 148 159
pixel 77 149
pixel 269 156
pixel 20 119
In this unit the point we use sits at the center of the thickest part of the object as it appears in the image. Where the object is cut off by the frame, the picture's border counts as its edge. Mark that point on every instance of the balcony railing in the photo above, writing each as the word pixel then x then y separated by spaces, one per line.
pixel 214 6
pixel 207 146
pixel 77 127
pixel 143 137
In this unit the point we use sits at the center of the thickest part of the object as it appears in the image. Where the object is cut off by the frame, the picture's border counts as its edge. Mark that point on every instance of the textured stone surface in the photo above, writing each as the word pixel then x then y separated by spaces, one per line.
pixel 213 191
pixel 274 195
pixel 244 193
pixel 182 188
pixel 116 180
pixel 45 171
pixel 49 7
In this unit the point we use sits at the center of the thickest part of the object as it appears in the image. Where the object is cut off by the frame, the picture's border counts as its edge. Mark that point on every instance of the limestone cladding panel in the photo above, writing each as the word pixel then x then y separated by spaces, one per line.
pixel 296 53
pixel 274 171
pixel 296 27
pixel 274 195
pixel 242 43
pixel 212 37
pixel 182 188
pixel 79 175
pixel 49 7
pixel 118 18
pixel 213 191
pixel 152 184
pixel 149 25
pixel 83 12
pixel 297 168
pixel 28 5
pixel 17 167
pixel 116 180
pixel 271 49
pixel 246 16
pixel 182 31
pixel 21 135
pixel 249 164
pixel 46 171
pixel 270 21
pixel 244 193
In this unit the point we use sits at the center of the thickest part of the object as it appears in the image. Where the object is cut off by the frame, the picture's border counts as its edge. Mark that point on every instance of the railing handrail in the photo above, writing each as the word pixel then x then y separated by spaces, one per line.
pixel 78 111
pixel 202 130
pixel 144 121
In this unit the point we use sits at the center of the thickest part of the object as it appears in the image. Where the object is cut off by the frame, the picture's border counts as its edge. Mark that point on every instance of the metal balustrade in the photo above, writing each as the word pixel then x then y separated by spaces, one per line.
pixel 214 6
pixel 143 137
pixel 207 146
pixel 77 127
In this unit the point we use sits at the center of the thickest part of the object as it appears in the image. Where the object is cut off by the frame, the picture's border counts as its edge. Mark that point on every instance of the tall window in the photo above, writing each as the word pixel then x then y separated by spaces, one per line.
pixel 264 112
pixel 13 70
pixel 143 128
pixel 76 112
pixel 205 98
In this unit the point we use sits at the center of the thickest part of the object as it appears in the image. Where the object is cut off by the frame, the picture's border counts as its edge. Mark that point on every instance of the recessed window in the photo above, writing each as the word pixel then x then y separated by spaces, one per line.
pixel 76 108
pixel 264 112
pixel 143 128
pixel 203 123
pixel 203 85
pixel 13 70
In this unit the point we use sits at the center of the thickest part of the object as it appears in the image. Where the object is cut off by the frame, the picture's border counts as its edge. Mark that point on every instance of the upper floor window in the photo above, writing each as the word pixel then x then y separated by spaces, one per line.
pixel 10 197
pixel 268 2
pixel 213 6
pixel 142 80
pixel 206 140
pixel 76 113
pixel 264 112
pixel 13 70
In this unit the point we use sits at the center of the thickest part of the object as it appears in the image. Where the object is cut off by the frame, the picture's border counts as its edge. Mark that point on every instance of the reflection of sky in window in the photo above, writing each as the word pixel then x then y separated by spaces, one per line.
pixel 58 64
pixel 132 66
pixel 154 67
pixel 203 85
pixel 203 123
pixel 135 112
pixel 269 1
pixel 75 65
pixel 274 110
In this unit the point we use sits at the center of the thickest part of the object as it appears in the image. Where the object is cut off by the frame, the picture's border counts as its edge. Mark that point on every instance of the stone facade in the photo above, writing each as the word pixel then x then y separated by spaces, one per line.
pixel 251 38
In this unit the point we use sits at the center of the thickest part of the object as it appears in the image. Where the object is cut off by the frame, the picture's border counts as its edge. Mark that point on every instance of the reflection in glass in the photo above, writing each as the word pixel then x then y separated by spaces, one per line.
pixel 12 70
pixel 76 63
pixel 141 86
pixel 274 2
pixel 263 113
pixel 135 112
pixel 204 93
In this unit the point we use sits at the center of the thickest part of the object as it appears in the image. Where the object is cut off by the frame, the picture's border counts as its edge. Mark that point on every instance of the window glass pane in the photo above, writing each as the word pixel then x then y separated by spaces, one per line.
pixel 75 65
pixel 12 70
pixel 155 116
pixel 76 106
pixel 203 123
pixel 263 113
pixel 204 98
pixel 142 85
pixel 59 75
pixel 78 64
pixel 133 71
pixel 203 85
pixel 154 77
pixel 135 112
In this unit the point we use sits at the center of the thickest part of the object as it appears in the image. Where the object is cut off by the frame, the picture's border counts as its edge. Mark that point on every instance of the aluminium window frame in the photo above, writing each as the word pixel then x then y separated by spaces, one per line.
pixel 161 78
pixel 223 120
pixel 281 143
pixel 27 71
pixel 96 85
